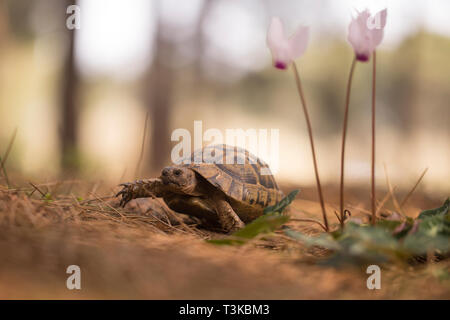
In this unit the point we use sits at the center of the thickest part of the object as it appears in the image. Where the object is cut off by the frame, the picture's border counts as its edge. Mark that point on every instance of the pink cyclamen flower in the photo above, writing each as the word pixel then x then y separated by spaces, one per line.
pixel 285 50
pixel 365 33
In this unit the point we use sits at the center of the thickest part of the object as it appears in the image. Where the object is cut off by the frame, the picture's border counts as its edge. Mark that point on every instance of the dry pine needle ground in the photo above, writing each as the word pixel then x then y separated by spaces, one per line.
pixel 147 252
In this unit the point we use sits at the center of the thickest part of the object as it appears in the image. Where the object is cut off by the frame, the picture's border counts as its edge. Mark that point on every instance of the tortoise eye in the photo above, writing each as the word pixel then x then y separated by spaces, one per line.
pixel 177 172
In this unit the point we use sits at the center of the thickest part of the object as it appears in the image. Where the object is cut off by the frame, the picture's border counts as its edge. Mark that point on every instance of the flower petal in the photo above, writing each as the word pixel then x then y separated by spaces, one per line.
pixel 298 42
pixel 365 33
pixel 383 18
pixel 377 33
pixel 358 37
pixel 278 44
pixel 275 34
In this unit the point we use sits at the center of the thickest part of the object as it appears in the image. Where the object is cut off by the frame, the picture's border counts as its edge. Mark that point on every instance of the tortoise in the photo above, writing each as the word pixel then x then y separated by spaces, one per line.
pixel 223 186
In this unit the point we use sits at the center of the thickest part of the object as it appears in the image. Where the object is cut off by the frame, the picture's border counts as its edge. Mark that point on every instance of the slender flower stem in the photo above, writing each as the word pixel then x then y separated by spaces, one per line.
pixel 344 135
pixel 308 123
pixel 374 76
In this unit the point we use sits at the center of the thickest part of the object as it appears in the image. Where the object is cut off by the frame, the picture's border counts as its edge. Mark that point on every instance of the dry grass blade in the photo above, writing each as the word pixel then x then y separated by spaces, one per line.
pixel 413 188
pixel 109 206
pixel 144 134
pixel 123 175
pixel 144 257
pixel 169 225
pixel 88 201
pixel 382 203
pixel 169 212
pixel 103 213
pixel 6 155
pixel 391 191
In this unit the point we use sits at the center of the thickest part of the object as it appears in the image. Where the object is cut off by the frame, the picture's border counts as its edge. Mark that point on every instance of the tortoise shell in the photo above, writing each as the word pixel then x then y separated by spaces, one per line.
pixel 244 178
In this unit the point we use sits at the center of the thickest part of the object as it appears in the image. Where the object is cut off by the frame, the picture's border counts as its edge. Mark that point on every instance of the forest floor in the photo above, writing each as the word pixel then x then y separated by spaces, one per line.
pixel 146 252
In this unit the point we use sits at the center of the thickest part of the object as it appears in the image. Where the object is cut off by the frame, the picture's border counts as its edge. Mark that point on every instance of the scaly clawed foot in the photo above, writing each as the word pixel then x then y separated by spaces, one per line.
pixel 128 191
pixel 133 190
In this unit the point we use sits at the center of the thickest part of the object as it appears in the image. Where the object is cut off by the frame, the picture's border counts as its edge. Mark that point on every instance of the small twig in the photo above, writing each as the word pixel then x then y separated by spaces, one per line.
pixel 347 213
pixel 36 188
pixel 413 188
pixel 310 220
pixel 337 216
pixel 367 212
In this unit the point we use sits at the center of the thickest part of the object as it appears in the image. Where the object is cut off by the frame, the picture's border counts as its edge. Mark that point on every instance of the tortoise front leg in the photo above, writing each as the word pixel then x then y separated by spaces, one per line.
pixel 228 219
pixel 140 189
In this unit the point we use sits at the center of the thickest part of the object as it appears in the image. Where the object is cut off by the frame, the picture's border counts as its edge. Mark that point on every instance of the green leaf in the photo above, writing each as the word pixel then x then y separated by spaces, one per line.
pixel 357 244
pixel 435 222
pixel 281 206
pixel 421 244
pixel 432 233
pixel 271 220
pixel 388 240
pixel 442 274
pixel 227 241
pixel 438 211
pixel 390 225
pixel 435 225
pixel 47 197
pixel 398 228
pixel 324 240
pixel 263 224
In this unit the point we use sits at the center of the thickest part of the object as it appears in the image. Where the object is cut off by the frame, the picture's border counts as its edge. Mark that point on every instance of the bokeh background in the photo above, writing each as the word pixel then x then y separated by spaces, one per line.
pixel 79 99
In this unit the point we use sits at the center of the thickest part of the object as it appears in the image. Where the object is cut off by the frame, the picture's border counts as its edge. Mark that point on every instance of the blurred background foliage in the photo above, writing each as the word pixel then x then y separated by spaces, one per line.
pixel 79 99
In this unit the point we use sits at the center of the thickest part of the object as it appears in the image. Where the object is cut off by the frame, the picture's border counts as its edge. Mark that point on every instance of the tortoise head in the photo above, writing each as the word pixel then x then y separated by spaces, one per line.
pixel 179 179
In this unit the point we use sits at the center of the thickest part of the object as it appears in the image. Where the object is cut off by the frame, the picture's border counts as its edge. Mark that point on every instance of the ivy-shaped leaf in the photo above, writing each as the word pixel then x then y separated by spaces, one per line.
pixel 263 224
pixel 324 240
pixel 281 206
pixel 438 211
pixel 271 220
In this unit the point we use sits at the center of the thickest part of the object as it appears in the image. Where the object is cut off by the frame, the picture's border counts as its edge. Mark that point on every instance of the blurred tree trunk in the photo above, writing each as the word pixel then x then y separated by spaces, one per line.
pixel 161 78
pixel 159 99
pixel 199 40
pixel 4 28
pixel 70 81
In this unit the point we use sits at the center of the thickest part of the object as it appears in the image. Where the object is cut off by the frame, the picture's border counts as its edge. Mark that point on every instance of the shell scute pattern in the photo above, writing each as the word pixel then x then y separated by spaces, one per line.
pixel 241 180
